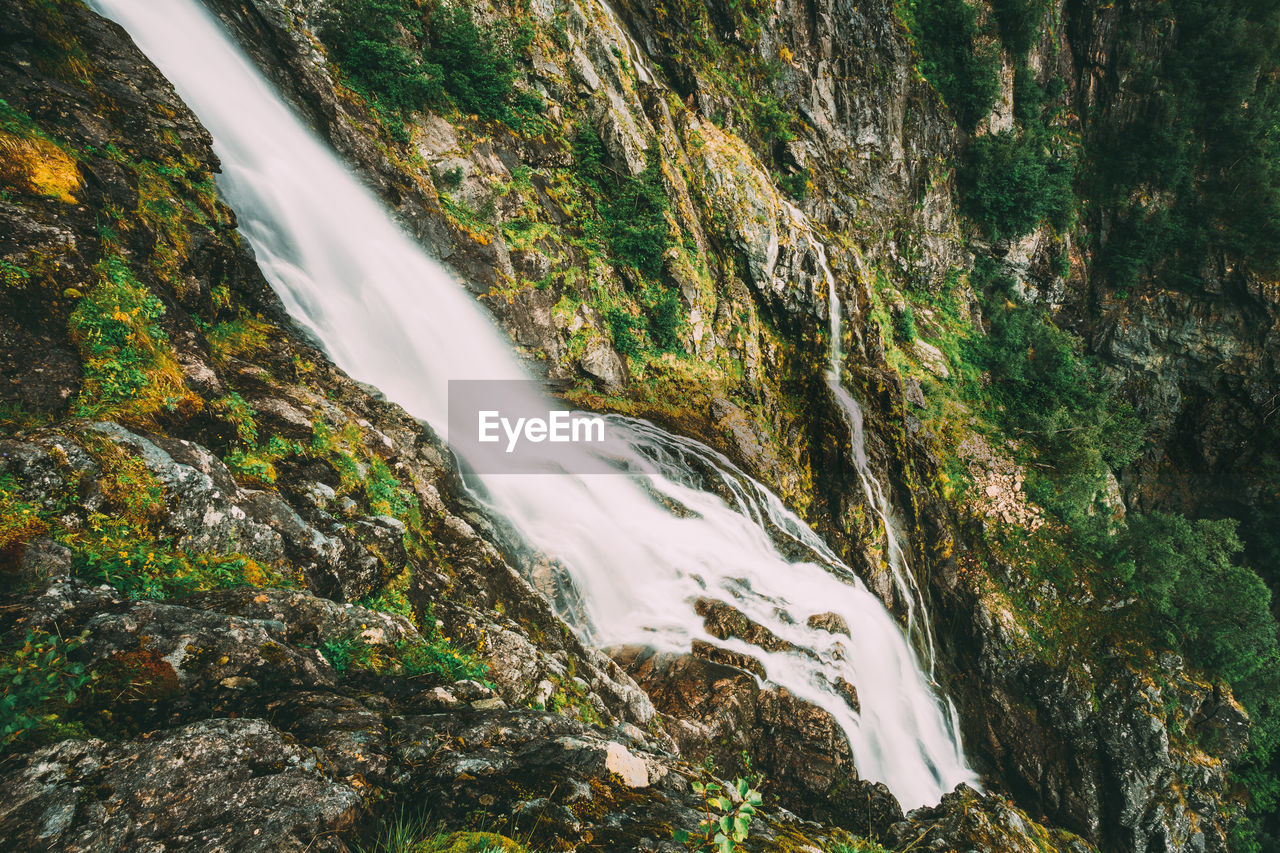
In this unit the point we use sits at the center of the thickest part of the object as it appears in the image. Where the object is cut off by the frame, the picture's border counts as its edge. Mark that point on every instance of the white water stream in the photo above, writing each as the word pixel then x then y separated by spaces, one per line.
pixel 391 316
pixel 876 493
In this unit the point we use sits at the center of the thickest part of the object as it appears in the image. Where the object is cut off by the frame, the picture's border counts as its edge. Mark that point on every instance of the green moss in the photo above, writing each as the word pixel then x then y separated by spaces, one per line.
pixel 469 842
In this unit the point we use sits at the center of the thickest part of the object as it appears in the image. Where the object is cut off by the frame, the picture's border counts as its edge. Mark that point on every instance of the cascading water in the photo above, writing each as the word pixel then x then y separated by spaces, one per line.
pixel 877 495
pixel 390 316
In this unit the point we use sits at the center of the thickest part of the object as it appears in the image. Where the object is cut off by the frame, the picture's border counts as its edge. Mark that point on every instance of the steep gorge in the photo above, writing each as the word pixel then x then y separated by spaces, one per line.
pixel 789 144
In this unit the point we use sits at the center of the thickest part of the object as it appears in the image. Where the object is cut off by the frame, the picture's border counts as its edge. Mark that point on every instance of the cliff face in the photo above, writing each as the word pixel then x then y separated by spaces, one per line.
pixel 286 595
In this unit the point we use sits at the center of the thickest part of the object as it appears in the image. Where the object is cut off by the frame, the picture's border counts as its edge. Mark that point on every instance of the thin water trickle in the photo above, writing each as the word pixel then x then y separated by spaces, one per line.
pixel 876 493
pixel 391 316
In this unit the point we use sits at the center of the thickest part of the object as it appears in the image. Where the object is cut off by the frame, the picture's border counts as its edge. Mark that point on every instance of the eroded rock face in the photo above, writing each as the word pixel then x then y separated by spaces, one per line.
pixel 967 820
pixel 215 784
pixel 337 747
pixel 1102 757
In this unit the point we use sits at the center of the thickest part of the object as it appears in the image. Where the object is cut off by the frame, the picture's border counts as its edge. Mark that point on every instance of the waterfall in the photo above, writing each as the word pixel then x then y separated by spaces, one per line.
pixel 641 547
pixel 876 493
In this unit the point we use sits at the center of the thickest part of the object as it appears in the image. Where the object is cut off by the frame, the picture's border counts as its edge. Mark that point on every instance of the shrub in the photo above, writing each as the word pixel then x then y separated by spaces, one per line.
pixel 1196 169
pixel 1043 389
pixel 479 65
pixel 1019 23
pixel 964 68
pixel 1206 604
pixel 666 319
pixel 39 681
pixel 904 328
pixel 622 328
pixel 632 208
pixel 406 55
pixel 1012 182
pixel 373 41
pixel 728 817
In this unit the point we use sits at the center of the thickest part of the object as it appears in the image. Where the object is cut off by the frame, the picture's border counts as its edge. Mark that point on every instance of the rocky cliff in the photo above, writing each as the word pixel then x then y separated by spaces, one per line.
pixel 274 619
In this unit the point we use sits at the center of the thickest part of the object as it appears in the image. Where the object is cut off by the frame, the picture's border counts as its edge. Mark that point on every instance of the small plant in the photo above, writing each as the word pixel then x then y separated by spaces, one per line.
pixel 39 681
pixel 20 521
pixel 904 327
pixel 346 652
pixel 622 328
pixel 129 367
pixel 728 817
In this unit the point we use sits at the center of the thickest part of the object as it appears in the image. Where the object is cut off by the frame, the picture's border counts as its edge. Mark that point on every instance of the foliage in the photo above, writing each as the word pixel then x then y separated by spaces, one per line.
pixel 406 56
pixel 622 328
pixel 1185 576
pixel 904 327
pixel 1042 388
pixel 20 521
pixel 403 833
pixel 433 658
pixel 129 368
pixel 31 162
pixel 367 40
pixel 240 337
pixel 633 226
pixel 857 845
pixel 115 552
pixel 1011 182
pixel 632 208
pixel 347 651
pixel 257 464
pixel 1185 573
pixel 666 319
pixel 795 184
pixel 479 65
pixel 1018 22
pixel 437 659
pixel 962 65
pixel 728 817
pixel 1195 168
pixel 39 681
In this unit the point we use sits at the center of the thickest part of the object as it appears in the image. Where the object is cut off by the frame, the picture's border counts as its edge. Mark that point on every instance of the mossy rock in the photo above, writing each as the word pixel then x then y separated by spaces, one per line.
pixel 470 842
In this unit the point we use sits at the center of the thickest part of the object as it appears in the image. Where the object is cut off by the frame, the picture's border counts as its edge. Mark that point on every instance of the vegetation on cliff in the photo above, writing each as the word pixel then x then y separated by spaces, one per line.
pixel 667 238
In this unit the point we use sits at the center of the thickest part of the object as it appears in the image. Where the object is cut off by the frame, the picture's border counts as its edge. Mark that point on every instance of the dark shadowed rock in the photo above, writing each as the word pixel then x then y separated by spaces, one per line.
pixel 213 785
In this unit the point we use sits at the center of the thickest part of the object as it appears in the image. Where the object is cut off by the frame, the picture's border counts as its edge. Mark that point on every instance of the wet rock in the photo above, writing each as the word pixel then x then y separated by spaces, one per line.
pixel 720 712
pixel 723 621
pixel 832 623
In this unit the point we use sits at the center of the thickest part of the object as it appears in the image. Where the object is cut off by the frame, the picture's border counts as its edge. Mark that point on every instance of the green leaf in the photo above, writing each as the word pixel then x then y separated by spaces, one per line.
pixel 680 836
